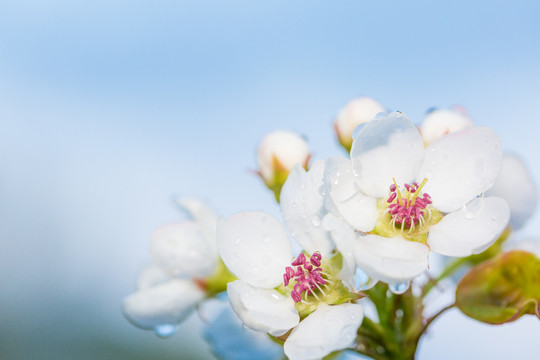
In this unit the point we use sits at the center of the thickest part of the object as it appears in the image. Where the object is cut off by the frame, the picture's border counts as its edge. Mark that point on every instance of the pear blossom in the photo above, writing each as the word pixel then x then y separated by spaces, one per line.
pixel 184 255
pixel 401 200
pixel 270 296
pixel 440 122
pixel 356 112
pixel 516 186
pixel 277 155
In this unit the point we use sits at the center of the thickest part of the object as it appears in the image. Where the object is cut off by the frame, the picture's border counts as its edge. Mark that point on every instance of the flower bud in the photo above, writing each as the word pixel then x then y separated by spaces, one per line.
pixel 356 112
pixel 441 122
pixel 277 155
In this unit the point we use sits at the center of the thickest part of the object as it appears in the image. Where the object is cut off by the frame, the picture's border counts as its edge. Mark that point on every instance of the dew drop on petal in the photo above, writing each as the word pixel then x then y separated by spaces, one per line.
pixel 399 288
pixel 237 241
pixel 165 330
pixel 474 208
pixel 316 221
pixel 363 281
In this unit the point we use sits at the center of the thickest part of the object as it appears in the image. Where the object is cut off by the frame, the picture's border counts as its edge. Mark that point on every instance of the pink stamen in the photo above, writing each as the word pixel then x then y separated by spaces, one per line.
pixel 406 209
pixel 307 275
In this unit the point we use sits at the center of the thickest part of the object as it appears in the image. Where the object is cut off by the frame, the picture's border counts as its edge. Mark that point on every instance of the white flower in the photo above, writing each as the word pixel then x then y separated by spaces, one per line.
pixel 357 111
pixel 402 220
pixel 438 123
pixel 516 186
pixel 166 293
pixel 256 248
pixel 278 153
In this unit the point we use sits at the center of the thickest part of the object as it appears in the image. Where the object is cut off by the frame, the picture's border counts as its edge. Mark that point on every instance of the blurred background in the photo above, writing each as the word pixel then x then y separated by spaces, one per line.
pixel 107 108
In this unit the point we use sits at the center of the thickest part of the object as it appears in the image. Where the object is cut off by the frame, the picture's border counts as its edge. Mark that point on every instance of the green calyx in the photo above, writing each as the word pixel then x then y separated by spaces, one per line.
pixel 218 281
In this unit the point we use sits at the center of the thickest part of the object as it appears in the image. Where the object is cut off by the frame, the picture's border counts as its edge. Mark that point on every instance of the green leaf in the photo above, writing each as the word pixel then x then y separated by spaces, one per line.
pixel 502 289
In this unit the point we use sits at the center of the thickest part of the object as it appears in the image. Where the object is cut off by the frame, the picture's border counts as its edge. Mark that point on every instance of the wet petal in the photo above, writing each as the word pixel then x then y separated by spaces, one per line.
pixel 203 215
pixel 346 199
pixel 182 248
pixel 169 303
pixel 384 149
pixel 344 237
pixel 255 247
pixel 262 309
pixel 391 259
pixel 460 166
pixel 327 329
pixel 356 112
pixel 516 186
pixel 303 208
pixel 470 230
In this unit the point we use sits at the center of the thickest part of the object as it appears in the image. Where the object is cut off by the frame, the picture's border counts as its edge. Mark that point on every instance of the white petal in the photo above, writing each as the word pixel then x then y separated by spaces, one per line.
pixel 516 186
pixel 286 147
pixel 344 237
pixel 150 276
pixel 346 199
pixel 255 247
pixel 327 329
pixel 182 248
pixel 303 208
pixel 391 259
pixel 203 215
pixel 262 309
pixel 442 122
pixel 169 303
pixel 385 149
pixel 470 230
pixel 460 166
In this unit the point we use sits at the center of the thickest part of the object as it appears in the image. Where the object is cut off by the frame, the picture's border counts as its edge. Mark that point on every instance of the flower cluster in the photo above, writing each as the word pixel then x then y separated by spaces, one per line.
pixel 355 227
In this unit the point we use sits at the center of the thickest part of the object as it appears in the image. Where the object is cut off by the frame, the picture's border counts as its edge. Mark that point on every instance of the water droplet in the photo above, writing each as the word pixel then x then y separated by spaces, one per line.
pixel 267 238
pixel 237 241
pixel 322 190
pixel 316 220
pixel 165 330
pixel 293 205
pixel 494 217
pixel 275 296
pixel 399 288
pixel 363 281
pixel 474 208
pixel 303 186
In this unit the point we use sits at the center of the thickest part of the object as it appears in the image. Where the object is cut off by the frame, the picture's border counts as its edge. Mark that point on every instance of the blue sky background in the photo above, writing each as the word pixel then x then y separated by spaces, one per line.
pixel 107 108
